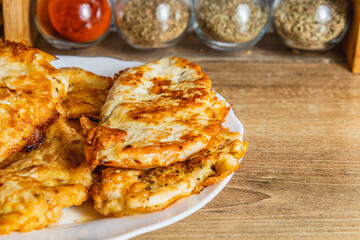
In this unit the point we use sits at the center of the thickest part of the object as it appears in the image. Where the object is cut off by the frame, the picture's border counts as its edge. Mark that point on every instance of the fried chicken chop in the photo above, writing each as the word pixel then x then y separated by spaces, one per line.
pixel 123 191
pixel 30 91
pixel 35 186
pixel 155 115
pixel 87 93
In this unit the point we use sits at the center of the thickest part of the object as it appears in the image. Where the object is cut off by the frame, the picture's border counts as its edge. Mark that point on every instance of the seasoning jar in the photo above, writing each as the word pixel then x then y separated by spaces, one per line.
pixel 311 24
pixel 73 24
pixel 149 24
pixel 231 24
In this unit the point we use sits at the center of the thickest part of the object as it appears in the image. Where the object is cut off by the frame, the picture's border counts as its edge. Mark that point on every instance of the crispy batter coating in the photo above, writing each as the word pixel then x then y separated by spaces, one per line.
pixel 30 92
pixel 165 111
pixel 123 191
pixel 87 93
pixel 35 186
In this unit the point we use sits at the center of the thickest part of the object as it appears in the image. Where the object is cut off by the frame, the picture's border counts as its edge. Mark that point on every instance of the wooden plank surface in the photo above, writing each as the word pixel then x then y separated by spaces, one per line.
pixel 301 111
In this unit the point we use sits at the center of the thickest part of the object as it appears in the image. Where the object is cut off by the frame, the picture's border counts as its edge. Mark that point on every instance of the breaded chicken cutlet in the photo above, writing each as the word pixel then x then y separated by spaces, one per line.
pixel 30 91
pixel 155 115
pixel 35 186
pixel 125 191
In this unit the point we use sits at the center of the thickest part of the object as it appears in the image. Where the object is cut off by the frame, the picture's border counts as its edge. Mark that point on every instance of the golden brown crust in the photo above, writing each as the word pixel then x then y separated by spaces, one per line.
pixel 35 186
pixel 124 191
pixel 30 91
pixel 87 93
pixel 168 111
pixel 86 125
pixel 100 138
pixel 35 140
pixel 21 52
pixel 75 124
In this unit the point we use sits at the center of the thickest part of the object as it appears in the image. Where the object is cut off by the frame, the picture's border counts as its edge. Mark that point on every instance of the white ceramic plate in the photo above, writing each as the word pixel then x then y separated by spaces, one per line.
pixel 83 222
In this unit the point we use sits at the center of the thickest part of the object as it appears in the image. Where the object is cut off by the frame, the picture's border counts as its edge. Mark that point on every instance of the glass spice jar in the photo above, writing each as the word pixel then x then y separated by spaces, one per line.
pixel 231 24
pixel 311 24
pixel 73 24
pixel 151 24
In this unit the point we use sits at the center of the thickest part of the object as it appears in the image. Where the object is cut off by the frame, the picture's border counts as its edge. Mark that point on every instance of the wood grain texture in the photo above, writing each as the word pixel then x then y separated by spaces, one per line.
pixel 18 22
pixel 301 176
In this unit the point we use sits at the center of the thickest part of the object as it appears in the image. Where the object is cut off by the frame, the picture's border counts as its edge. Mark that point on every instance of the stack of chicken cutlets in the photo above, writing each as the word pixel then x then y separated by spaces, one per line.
pixel 136 143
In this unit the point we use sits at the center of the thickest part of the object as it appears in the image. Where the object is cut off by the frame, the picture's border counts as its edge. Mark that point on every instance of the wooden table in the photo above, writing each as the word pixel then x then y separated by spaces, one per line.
pixel 300 178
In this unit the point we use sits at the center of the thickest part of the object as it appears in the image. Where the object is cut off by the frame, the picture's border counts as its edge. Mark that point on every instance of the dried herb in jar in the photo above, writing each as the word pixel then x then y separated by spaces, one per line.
pixel 150 23
pixel 309 24
pixel 233 21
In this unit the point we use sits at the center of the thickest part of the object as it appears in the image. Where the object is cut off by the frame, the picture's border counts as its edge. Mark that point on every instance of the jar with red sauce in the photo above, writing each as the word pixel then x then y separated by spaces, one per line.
pixel 73 24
